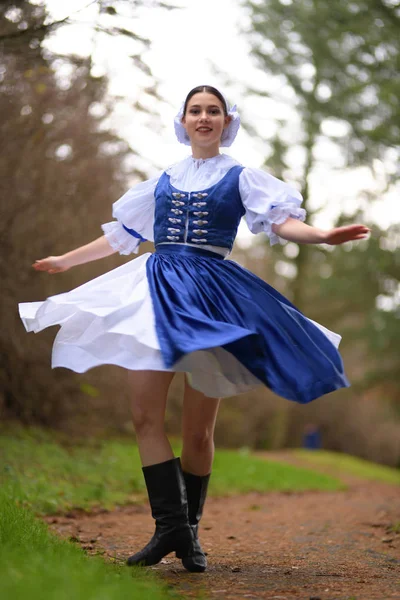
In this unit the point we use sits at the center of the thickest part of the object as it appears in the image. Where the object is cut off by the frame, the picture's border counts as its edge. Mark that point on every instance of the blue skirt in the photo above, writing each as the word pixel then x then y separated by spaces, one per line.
pixel 202 301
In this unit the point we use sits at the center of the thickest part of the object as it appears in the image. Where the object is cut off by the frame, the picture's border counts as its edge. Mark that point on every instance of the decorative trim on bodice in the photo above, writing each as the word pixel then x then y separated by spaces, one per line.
pixel 202 217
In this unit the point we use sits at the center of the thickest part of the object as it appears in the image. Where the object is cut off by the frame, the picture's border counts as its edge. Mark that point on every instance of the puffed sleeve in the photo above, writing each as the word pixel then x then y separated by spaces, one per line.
pixel 268 200
pixel 134 212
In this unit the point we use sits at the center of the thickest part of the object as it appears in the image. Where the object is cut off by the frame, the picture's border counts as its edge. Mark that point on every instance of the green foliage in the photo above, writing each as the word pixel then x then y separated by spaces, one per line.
pixel 341 61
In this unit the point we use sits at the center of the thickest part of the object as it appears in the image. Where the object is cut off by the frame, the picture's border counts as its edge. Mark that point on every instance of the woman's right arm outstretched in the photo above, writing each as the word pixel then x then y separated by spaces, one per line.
pixel 99 248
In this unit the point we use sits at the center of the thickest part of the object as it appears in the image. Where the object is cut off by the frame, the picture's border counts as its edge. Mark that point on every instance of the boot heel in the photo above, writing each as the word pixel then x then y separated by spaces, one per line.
pixel 168 501
pixel 195 560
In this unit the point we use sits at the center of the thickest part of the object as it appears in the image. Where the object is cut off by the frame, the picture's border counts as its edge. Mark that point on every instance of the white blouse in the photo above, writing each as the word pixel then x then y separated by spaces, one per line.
pixel 266 200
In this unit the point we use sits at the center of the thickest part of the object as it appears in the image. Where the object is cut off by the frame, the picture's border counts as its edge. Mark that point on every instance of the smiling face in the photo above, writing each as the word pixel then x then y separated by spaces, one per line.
pixel 204 121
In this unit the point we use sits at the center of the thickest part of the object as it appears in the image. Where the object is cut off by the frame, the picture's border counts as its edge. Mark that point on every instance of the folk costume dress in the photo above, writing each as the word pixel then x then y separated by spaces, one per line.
pixel 186 307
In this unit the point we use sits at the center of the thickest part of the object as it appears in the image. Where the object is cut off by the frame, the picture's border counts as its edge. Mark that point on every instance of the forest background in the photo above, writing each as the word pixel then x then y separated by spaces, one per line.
pixel 326 80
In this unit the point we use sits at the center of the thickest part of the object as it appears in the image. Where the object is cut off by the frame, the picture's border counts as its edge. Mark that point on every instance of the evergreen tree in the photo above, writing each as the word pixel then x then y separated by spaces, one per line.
pixel 338 65
pixel 341 63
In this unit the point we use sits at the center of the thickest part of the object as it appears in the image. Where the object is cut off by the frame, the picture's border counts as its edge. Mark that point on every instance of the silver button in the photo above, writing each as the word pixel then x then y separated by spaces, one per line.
pixel 200 231
pixel 178 203
pixel 202 241
pixel 199 204
pixel 174 220
pixel 178 195
pixel 173 230
pixel 200 222
pixel 176 211
pixel 200 214
pixel 172 238
pixel 200 195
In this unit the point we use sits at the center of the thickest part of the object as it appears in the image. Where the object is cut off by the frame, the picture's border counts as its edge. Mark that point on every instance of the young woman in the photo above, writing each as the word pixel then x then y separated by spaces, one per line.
pixel 185 308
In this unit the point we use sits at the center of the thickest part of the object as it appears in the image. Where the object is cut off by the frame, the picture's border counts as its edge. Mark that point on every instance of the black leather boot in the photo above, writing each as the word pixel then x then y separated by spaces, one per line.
pixel 196 488
pixel 168 501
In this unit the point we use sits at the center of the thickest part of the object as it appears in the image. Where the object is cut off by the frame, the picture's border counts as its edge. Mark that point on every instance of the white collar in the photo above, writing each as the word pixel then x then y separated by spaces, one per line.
pixel 198 162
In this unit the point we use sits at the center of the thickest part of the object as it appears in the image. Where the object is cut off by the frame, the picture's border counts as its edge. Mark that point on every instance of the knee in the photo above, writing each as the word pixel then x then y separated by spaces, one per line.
pixel 199 441
pixel 145 422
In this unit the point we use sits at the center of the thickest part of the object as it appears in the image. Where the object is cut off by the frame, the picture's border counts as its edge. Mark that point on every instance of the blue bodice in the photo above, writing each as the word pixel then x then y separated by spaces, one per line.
pixel 209 216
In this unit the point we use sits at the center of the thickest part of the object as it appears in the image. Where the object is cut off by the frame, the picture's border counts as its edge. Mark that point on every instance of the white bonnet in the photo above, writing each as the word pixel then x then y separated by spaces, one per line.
pixel 228 135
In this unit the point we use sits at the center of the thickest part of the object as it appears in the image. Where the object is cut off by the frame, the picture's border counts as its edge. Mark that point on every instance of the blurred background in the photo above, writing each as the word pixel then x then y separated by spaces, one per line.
pixel 88 92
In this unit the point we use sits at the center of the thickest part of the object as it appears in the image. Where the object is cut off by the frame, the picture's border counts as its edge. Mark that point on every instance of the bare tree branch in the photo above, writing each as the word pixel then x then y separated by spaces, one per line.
pixel 43 26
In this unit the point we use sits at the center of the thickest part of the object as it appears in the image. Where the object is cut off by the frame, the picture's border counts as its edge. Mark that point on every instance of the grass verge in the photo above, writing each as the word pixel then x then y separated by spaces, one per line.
pixel 238 472
pixel 344 463
pixel 35 564
pixel 52 477
pixel 50 474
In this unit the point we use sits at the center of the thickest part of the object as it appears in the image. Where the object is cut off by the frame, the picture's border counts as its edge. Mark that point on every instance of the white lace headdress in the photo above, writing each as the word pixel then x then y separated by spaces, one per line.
pixel 228 135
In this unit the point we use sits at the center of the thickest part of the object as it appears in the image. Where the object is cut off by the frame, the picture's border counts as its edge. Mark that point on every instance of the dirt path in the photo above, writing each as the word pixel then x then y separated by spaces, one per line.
pixel 313 545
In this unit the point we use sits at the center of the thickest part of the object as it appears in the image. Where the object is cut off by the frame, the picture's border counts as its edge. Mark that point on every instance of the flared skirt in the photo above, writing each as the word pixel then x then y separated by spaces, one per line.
pixel 187 309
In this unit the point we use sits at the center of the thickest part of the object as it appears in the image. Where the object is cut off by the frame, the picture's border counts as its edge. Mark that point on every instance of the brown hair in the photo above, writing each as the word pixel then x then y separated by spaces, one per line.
pixel 209 90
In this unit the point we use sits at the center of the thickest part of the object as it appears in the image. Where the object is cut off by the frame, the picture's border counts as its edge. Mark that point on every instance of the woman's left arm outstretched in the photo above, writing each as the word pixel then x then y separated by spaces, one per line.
pixel 294 230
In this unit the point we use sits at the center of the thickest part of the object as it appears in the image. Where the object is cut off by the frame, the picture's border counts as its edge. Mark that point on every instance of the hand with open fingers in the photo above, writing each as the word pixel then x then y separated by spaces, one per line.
pixel 51 264
pixel 348 233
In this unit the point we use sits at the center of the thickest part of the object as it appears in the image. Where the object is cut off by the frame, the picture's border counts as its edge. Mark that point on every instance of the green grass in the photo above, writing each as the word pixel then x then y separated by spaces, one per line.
pixel 344 463
pixel 52 477
pixel 35 564
pixel 239 472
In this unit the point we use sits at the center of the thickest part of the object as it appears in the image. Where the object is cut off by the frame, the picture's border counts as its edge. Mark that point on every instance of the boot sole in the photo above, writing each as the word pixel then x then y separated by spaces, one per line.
pixel 193 567
pixel 155 555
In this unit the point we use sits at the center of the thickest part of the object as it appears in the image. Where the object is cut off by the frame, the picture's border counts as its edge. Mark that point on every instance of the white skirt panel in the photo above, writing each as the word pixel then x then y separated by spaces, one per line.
pixel 110 320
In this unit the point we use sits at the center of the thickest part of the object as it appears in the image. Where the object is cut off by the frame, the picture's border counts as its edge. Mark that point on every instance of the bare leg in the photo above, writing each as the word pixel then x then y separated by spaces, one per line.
pixel 149 391
pixel 198 424
pixel 162 472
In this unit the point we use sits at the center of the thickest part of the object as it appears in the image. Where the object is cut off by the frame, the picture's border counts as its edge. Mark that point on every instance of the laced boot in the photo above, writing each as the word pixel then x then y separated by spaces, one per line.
pixel 196 489
pixel 169 507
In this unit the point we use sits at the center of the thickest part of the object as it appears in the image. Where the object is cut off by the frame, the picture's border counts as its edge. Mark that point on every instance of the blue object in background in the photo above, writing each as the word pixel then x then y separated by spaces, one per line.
pixel 312 438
